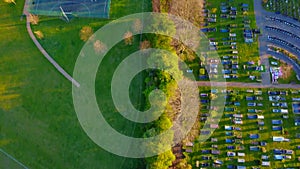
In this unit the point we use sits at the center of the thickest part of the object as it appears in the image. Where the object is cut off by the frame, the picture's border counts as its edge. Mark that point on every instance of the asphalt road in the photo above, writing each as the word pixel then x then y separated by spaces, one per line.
pixel 262 21
pixel 248 85
pixel 286 59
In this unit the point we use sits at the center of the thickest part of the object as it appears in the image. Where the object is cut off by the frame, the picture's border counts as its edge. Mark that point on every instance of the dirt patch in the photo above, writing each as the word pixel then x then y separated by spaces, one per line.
pixel 286 70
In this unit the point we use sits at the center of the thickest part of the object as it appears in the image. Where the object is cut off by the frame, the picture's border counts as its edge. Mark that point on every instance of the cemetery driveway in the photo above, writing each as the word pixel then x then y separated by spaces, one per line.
pixel 261 22
pixel 248 85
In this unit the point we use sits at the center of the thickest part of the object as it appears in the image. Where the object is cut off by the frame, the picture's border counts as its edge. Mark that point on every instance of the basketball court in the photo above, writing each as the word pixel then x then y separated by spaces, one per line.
pixel 77 8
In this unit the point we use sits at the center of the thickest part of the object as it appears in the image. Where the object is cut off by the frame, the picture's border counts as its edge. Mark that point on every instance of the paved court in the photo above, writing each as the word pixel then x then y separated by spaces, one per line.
pixel 78 8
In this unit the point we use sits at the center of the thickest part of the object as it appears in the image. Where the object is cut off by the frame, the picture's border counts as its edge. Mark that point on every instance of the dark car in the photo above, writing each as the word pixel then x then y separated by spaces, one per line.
pixel 204 101
pixel 278 151
pixel 205 157
pixel 273 93
pixel 205 165
pixel 205 151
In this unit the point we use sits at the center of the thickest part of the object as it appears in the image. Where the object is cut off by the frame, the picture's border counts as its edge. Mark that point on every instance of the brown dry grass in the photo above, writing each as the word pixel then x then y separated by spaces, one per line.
pixel 286 70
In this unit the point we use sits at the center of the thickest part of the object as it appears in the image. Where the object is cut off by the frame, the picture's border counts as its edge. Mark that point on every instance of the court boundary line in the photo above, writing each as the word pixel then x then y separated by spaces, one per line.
pixel 12 158
pixel 70 2
pixel 90 13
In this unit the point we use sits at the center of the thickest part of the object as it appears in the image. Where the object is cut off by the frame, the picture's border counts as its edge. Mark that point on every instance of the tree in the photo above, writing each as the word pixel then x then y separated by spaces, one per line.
pixel 85 33
pixel 183 164
pixel 164 5
pixel 137 26
pixel 33 19
pixel 187 10
pixel 168 62
pixel 164 123
pixel 161 161
pixel 214 10
pixel 99 47
pixel 128 38
pixel 214 114
pixel 162 25
pixel 158 100
pixel 265 1
pixel 145 45
pixel 10 1
pixel 39 34
pixel 213 96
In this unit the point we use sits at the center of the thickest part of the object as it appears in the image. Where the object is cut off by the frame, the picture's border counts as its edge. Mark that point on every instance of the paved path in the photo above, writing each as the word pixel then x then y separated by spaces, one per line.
pixel 249 85
pixel 287 60
pixel 260 22
pixel 47 56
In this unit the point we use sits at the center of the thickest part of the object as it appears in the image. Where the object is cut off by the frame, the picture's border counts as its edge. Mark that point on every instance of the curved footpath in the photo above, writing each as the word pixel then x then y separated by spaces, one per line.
pixel 46 55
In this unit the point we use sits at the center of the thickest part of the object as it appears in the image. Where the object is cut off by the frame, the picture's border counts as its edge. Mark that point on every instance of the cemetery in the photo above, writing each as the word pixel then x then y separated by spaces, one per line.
pixel 250 135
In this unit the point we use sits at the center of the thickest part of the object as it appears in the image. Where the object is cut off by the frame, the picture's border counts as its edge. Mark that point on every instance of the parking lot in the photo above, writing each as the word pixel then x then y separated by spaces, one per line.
pixel 280 31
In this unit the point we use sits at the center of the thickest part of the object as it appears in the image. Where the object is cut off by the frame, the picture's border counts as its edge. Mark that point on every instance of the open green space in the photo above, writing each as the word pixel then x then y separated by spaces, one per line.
pixel 250 126
pixel 38 124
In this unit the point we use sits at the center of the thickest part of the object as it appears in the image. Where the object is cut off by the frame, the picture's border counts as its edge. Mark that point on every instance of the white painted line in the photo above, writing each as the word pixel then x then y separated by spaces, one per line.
pixel 12 158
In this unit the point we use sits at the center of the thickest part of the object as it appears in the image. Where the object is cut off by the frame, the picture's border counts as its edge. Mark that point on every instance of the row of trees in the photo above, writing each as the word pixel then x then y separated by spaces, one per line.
pixel 164 81
pixel 164 78
pixel 10 1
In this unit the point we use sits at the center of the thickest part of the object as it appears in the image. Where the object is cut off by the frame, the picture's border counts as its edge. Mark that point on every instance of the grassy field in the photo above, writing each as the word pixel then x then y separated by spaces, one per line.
pixel 38 124
pixel 251 127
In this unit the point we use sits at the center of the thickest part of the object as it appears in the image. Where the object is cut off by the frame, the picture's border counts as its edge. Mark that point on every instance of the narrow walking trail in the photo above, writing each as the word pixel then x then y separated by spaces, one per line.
pixel 43 51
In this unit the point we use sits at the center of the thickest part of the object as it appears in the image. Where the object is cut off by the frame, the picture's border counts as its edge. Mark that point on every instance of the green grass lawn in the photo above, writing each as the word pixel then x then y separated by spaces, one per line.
pixel 251 127
pixel 38 124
